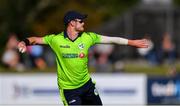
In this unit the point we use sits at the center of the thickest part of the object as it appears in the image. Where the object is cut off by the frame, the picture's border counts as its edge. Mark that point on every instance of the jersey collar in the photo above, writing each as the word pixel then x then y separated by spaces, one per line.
pixel 66 36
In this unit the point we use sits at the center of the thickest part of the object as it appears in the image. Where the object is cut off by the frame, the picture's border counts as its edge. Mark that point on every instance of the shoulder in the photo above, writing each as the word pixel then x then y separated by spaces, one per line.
pixel 90 33
pixel 54 35
pixel 92 36
pixel 57 35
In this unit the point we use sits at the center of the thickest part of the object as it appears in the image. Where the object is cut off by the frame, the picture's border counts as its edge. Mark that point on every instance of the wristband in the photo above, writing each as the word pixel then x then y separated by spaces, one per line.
pixel 26 41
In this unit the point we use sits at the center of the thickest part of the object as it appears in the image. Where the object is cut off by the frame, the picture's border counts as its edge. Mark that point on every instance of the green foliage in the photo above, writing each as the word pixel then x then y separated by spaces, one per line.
pixel 40 17
pixel 177 2
pixel 23 16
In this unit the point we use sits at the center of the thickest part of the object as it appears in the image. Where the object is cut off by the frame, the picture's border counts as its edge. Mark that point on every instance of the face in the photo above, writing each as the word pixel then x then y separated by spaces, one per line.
pixel 79 25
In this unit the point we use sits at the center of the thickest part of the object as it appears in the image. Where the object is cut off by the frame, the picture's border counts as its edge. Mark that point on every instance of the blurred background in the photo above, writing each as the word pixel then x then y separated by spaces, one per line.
pixel 145 76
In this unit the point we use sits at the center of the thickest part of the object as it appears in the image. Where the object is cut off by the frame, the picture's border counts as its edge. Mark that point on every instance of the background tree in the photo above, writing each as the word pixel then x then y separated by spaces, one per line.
pixel 40 17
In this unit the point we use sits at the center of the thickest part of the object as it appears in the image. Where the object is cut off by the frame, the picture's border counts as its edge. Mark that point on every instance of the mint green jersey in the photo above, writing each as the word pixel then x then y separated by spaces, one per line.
pixel 72 57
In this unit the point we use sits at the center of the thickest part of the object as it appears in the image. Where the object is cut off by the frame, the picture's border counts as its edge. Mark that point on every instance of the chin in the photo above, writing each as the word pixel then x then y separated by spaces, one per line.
pixel 81 30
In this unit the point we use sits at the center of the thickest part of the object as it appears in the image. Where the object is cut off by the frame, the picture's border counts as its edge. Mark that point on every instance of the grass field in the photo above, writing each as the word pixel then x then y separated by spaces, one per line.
pixel 143 67
pixel 129 67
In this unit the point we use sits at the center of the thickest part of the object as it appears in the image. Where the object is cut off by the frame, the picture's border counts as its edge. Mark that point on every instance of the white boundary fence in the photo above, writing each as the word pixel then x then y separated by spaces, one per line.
pixel 114 89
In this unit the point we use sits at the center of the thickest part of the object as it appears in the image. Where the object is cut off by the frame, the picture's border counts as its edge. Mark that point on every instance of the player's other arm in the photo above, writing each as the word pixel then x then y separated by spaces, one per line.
pixel 139 43
pixel 22 45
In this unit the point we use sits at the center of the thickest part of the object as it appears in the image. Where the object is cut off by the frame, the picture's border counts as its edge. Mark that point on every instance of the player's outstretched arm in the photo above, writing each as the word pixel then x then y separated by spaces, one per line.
pixel 22 45
pixel 139 43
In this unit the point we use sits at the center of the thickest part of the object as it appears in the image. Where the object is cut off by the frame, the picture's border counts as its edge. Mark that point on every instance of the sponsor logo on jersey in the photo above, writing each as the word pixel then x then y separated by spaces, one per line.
pixel 64 46
pixel 81 55
pixel 70 55
pixel 73 55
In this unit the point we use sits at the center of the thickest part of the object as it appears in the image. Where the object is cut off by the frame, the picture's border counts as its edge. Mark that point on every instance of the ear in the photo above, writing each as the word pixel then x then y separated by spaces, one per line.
pixel 72 23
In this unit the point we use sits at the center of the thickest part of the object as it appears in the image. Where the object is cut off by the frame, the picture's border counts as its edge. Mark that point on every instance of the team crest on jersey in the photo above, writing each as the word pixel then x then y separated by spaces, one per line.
pixel 81 46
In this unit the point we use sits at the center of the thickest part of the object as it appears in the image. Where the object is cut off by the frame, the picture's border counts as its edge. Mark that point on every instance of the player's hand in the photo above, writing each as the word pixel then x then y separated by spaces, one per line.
pixel 142 43
pixel 22 47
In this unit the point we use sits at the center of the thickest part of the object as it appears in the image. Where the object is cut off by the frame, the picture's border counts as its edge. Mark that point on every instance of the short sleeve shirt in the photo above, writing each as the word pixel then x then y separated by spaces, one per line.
pixel 72 57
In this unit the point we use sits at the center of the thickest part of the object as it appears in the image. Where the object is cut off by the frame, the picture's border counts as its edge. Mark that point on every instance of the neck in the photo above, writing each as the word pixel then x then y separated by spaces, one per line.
pixel 72 34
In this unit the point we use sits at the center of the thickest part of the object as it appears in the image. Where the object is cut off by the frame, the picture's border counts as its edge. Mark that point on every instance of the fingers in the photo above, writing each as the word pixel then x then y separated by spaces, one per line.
pixel 145 43
pixel 21 47
pixel 22 50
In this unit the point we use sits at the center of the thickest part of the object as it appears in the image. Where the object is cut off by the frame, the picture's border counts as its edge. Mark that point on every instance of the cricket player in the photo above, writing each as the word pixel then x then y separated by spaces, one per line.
pixel 71 49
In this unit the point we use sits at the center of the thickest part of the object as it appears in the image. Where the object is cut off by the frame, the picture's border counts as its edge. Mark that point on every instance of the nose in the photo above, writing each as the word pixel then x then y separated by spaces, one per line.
pixel 82 23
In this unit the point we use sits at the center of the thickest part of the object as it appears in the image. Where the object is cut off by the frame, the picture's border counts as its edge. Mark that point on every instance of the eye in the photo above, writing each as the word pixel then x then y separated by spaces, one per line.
pixel 80 21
